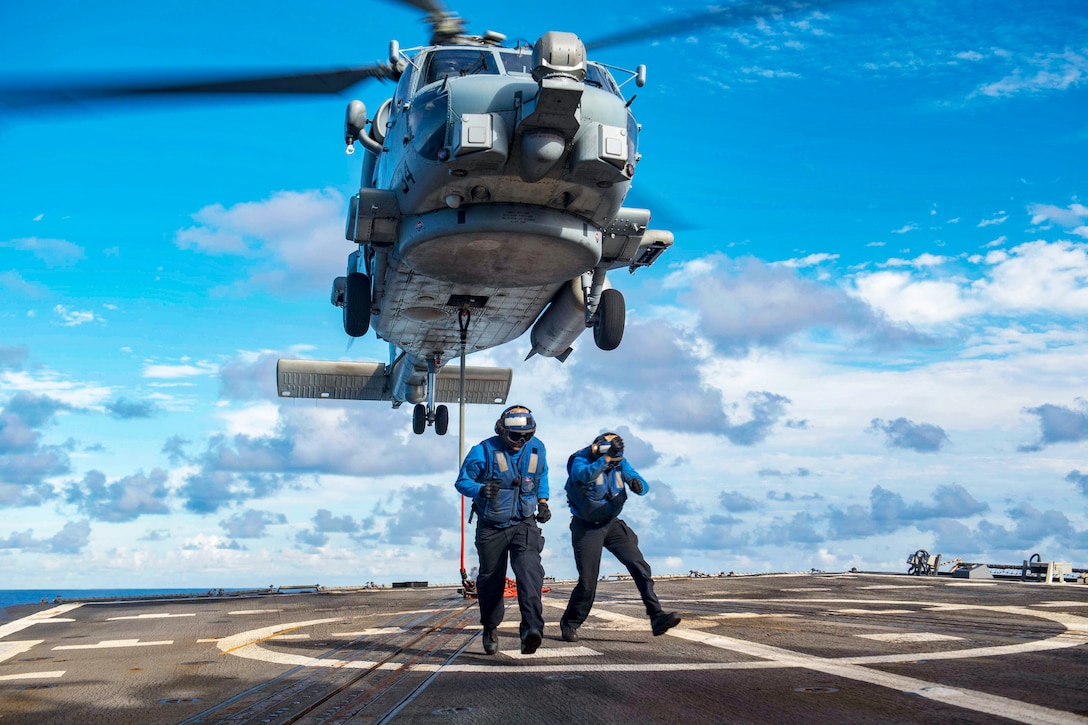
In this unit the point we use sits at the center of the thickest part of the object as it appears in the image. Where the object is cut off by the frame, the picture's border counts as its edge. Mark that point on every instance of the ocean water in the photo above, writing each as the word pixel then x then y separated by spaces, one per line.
pixel 11 597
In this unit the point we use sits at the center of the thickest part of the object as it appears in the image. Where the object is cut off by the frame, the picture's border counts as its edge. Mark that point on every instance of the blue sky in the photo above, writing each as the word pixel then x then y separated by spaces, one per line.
pixel 868 339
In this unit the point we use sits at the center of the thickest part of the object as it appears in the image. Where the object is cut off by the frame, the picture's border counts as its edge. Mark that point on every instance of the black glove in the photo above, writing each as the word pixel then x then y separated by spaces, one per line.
pixel 636 485
pixel 616 451
pixel 490 490
pixel 543 513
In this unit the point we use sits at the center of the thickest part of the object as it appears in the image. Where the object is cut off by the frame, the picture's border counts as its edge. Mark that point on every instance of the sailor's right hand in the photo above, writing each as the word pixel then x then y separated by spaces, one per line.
pixel 490 489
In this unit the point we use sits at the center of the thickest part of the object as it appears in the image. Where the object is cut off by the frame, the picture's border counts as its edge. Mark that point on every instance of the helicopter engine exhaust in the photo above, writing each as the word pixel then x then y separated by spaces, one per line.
pixel 561 323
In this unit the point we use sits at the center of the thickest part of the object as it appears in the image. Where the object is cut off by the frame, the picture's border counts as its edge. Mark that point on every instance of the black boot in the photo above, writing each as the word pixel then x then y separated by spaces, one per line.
pixel 531 642
pixel 491 641
pixel 663 622
pixel 568 631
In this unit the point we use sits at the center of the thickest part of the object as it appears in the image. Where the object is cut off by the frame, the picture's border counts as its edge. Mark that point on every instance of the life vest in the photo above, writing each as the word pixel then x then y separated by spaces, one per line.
pixel 519 481
pixel 600 499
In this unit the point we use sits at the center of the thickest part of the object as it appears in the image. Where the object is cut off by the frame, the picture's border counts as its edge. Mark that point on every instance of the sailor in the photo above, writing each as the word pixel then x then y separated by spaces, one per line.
pixel 506 476
pixel 597 483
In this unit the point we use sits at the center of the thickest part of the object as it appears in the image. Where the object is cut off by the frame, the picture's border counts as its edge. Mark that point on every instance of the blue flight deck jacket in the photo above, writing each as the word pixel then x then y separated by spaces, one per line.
pixel 522 477
pixel 594 493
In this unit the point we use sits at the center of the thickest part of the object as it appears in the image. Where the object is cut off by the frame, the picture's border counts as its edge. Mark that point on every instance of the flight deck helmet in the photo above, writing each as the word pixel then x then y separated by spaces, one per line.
pixel 602 444
pixel 516 425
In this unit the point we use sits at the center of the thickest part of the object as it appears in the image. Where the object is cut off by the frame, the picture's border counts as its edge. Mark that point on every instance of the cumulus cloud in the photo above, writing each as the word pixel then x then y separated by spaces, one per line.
pixel 888 512
pixel 310 437
pixel 53 252
pixel 1030 528
pixel 903 433
pixel 800 529
pixel 1059 424
pixel 746 303
pixel 641 378
pixel 71 539
pixel 25 462
pixel 291 239
pixel 424 512
pixel 251 523
pixel 126 409
pixel 251 376
pixel 122 500
pixel 1080 480
pixel 325 522
pixel 736 502
pixel 12 358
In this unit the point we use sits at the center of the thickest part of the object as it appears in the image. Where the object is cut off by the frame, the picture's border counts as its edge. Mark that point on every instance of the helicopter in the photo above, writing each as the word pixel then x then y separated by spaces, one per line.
pixel 491 203
pixel 491 200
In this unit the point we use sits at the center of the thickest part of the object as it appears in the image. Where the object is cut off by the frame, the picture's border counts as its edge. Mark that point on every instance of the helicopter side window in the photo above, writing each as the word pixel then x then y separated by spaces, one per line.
pixel 404 85
pixel 444 64
pixel 601 78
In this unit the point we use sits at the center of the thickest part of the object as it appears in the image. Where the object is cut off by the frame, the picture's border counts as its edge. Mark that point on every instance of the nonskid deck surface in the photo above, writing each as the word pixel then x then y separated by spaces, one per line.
pixel 834 648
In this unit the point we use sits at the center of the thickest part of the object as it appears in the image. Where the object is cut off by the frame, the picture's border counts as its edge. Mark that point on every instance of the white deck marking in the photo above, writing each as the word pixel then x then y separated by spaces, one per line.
pixel 245 644
pixel 902 637
pixel 896 586
pixel 150 616
pixel 872 611
pixel 747 615
pixel 549 652
pixel 279 637
pixel 1076 634
pixel 253 611
pixel 367 632
pixel 967 699
pixel 1062 604
pixel 52 675
pixel 115 643
pixel 44 617
pixel 16 647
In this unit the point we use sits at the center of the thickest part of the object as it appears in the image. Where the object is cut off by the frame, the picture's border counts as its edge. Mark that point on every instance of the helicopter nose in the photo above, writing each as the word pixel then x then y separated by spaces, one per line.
pixel 540 150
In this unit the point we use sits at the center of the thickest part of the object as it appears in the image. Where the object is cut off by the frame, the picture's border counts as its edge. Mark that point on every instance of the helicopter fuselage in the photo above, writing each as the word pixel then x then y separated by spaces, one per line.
pixel 493 182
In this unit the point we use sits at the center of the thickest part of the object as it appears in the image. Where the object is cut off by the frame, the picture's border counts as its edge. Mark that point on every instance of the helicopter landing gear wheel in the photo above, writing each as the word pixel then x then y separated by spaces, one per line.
pixel 441 420
pixel 419 419
pixel 357 304
pixel 611 315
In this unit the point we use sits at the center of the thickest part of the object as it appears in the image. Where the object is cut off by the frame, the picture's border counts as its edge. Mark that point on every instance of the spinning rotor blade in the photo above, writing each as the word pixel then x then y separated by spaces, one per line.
pixel 315 83
pixel 725 16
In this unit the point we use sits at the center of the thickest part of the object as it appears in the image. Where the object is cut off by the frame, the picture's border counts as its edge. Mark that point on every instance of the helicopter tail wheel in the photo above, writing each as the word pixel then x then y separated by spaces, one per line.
pixel 441 420
pixel 357 304
pixel 611 315
pixel 419 418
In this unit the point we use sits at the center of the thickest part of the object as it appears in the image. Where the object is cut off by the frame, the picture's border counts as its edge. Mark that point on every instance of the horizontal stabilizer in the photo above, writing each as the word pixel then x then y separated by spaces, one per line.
pixel 370 381
pixel 334 380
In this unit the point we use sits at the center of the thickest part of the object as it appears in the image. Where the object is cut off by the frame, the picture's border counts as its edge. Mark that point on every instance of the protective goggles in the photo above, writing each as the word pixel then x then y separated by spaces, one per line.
pixel 518 436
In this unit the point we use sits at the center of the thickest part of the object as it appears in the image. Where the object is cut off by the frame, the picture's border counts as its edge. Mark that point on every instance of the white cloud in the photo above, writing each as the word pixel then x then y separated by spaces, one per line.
pixel 53 252
pixel 296 239
pixel 809 261
pixel 1049 72
pixel 172 372
pixel 1072 216
pixel 1040 276
pixel 75 318
pixel 918 301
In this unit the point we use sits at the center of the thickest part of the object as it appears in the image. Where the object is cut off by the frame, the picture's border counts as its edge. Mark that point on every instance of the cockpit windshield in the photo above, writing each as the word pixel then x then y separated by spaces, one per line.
pixel 459 62
pixel 517 62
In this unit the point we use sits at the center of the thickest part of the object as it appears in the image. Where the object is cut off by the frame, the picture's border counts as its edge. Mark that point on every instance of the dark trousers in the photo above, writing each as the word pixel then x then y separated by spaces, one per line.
pixel 588 540
pixel 521 545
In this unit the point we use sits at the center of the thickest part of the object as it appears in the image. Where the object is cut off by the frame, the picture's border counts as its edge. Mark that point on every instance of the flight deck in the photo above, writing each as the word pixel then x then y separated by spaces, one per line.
pixel 817 647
